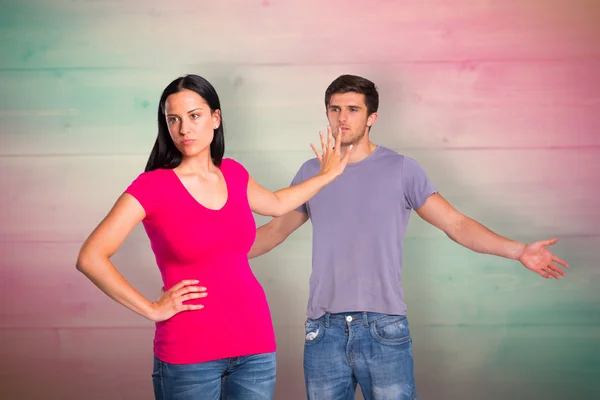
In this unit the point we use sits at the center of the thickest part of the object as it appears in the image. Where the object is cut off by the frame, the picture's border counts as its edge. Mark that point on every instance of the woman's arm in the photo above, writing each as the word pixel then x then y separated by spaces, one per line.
pixel 94 262
pixel 264 202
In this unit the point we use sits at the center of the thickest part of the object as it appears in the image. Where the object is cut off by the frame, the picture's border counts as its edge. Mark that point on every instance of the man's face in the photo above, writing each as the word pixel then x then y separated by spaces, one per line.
pixel 348 112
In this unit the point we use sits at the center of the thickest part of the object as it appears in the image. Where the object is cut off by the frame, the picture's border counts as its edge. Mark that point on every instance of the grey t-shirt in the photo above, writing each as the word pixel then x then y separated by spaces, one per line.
pixel 359 221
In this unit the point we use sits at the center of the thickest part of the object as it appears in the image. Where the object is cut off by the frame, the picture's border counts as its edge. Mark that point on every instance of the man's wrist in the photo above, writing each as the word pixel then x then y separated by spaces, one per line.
pixel 518 250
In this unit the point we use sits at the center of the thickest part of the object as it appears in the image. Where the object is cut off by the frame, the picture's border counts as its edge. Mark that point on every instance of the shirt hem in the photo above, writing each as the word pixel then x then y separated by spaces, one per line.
pixel 226 354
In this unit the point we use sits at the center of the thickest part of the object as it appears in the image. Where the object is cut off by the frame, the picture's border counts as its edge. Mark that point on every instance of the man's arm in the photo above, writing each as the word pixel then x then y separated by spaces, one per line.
pixel 272 234
pixel 474 236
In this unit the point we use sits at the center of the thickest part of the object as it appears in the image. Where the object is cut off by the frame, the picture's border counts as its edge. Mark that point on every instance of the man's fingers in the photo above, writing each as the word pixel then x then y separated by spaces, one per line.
pixel 554 273
pixel 561 262
pixel 545 274
pixel 548 272
pixel 548 242
pixel 557 269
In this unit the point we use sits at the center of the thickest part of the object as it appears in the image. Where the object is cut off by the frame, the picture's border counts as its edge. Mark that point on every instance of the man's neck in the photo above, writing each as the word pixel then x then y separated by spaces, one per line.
pixel 361 150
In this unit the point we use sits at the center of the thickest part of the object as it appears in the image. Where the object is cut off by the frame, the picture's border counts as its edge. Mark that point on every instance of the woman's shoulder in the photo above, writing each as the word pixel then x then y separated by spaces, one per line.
pixel 150 178
pixel 147 188
pixel 231 164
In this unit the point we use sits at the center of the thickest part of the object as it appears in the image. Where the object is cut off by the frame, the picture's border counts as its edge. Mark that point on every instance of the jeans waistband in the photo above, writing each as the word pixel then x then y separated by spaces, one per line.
pixel 351 318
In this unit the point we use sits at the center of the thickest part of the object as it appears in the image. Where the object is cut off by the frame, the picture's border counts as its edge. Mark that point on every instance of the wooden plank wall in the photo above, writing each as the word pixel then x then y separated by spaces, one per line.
pixel 499 100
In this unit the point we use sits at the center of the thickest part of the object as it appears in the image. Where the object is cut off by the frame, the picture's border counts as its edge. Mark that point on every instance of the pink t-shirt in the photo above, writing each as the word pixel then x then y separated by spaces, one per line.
pixel 191 241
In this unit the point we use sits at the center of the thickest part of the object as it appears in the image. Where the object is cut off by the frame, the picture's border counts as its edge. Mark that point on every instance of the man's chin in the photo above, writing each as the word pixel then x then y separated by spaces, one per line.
pixel 354 141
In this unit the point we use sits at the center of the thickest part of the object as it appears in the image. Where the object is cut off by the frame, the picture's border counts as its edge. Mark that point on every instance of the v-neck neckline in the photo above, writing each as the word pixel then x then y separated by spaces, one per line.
pixel 189 195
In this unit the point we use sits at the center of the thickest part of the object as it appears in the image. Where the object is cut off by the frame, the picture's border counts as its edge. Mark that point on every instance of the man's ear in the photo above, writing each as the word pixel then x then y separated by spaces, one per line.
pixel 371 119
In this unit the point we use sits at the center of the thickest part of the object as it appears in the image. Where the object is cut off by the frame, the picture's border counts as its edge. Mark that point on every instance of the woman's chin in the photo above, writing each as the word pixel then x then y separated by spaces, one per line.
pixel 192 152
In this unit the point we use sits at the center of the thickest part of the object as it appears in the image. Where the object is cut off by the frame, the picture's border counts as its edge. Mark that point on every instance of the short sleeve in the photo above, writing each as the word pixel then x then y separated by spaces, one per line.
pixel 240 172
pixel 416 184
pixel 144 189
pixel 299 178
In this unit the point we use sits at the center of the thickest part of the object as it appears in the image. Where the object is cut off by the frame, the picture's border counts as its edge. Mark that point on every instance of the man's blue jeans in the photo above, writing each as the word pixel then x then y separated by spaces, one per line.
pixel 371 349
pixel 237 378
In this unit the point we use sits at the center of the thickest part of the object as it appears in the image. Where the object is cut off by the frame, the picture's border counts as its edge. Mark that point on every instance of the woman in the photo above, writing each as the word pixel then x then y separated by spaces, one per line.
pixel 196 208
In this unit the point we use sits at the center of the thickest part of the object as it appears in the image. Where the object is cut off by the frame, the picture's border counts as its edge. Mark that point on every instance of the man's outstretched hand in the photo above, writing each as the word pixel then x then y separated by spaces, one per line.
pixel 537 258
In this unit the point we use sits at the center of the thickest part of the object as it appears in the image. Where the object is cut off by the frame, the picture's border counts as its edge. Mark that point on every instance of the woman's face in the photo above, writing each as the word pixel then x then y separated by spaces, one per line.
pixel 191 122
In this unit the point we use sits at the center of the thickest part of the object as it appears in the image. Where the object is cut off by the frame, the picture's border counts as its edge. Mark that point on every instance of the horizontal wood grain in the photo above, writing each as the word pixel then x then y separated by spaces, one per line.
pixel 498 101
pixel 444 284
pixel 447 285
pixel 455 105
pixel 469 362
pixel 529 192
pixel 90 34
pixel 86 364
pixel 117 363
pixel 64 297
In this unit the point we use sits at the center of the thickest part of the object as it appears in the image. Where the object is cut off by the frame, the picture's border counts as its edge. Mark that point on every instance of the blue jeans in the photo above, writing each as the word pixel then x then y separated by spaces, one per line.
pixel 369 349
pixel 237 378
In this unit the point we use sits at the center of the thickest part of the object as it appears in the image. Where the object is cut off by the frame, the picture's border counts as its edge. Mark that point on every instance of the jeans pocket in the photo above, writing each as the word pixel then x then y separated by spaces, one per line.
pixel 157 381
pixel 157 368
pixel 391 330
pixel 313 332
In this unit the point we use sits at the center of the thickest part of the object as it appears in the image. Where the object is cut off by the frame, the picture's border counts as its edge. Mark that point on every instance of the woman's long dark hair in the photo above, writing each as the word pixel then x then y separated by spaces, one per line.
pixel 164 153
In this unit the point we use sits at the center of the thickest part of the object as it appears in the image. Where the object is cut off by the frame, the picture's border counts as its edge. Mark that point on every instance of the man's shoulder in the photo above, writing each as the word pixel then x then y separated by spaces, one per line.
pixel 307 170
pixel 389 156
pixel 388 153
pixel 395 156
pixel 311 163
pixel 310 166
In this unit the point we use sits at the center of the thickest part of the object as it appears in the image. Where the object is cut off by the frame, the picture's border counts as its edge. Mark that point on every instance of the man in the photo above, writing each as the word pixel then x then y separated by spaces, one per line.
pixel 357 331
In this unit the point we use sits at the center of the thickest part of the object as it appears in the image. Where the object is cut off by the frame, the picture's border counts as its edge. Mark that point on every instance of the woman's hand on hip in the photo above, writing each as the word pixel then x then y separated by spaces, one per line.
pixel 172 301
